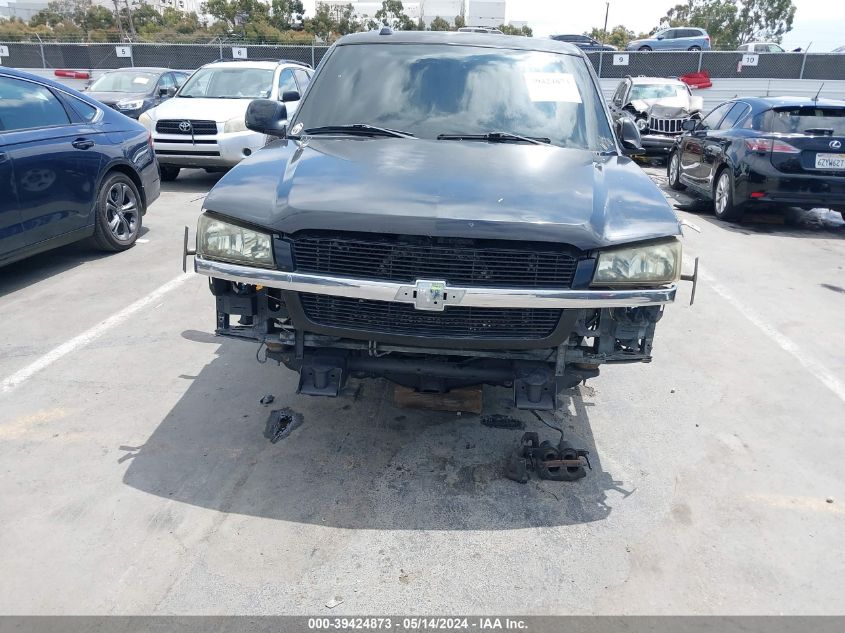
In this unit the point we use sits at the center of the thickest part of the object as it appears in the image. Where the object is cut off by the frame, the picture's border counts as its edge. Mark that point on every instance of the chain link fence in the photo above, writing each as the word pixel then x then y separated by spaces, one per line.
pixel 179 56
pixel 609 65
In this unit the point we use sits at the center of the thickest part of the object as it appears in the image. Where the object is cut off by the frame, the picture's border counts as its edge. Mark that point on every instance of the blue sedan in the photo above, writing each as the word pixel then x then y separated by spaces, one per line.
pixel 70 169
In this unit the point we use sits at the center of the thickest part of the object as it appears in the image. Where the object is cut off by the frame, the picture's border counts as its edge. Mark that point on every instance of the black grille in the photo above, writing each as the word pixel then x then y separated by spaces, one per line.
pixel 171 126
pixel 458 262
pixel 455 322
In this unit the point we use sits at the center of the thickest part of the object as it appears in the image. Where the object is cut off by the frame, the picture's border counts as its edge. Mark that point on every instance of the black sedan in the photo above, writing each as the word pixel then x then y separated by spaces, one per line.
pixel 764 152
pixel 584 42
pixel 70 169
pixel 133 91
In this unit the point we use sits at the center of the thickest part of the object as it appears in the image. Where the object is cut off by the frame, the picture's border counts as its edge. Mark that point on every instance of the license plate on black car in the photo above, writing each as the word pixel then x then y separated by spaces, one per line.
pixel 830 161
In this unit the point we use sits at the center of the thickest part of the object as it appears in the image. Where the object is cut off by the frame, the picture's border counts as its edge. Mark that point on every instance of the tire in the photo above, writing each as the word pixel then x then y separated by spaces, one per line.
pixel 118 214
pixel 673 171
pixel 168 173
pixel 723 198
pixel 644 48
pixel 694 48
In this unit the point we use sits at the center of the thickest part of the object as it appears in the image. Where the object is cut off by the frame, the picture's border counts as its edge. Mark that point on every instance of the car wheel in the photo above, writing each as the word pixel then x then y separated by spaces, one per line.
pixel 694 48
pixel 644 48
pixel 168 172
pixel 674 172
pixel 117 221
pixel 723 198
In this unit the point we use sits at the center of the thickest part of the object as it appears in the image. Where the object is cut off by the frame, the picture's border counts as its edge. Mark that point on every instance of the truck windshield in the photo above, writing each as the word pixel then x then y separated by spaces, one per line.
pixel 434 91
pixel 229 83
pixel 657 91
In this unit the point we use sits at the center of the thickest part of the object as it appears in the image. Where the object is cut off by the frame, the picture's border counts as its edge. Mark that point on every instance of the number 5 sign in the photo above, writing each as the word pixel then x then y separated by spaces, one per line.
pixel 4 51
pixel 123 51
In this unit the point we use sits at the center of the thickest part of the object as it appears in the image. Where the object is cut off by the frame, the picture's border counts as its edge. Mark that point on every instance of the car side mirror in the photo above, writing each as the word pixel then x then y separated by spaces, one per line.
pixel 267 117
pixel 690 125
pixel 660 37
pixel 290 95
pixel 629 138
pixel 166 93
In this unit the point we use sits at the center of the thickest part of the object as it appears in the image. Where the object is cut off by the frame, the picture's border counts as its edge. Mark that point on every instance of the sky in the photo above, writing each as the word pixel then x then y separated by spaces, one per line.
pixel 821 22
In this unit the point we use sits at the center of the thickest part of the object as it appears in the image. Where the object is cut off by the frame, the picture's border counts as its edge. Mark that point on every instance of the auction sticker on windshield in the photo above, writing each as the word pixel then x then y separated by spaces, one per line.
pixel 830 161
pixel 552 87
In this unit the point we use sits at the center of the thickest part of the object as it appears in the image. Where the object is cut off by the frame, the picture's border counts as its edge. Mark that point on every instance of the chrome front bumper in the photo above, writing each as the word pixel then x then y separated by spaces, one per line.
pixel 463 296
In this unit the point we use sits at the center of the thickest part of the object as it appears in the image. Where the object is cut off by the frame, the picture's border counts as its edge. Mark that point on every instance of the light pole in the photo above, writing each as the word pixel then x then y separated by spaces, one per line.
pixel 606 11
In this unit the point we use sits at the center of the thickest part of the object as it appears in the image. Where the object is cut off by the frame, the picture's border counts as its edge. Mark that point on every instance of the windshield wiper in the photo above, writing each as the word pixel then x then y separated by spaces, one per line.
pixel 364 129
pixel 495 137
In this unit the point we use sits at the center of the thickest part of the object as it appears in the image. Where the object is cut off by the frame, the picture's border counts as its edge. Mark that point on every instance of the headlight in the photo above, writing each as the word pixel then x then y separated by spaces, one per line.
pixel 227 242
pixel 132 104
pixel 146 120
pixel 650 264
pixel 642 125
pixel 236 124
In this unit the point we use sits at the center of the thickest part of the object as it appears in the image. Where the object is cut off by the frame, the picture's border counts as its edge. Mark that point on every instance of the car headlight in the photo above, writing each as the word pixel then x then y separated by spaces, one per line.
pixel 648 264
pixel 131 104
pixel 642 125
pixel 236 124
pixel 146 120
pixel 227 242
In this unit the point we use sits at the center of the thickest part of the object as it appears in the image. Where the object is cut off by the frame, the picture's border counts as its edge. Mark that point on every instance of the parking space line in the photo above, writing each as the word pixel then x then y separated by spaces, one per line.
pixel 21 376
pixel 813 366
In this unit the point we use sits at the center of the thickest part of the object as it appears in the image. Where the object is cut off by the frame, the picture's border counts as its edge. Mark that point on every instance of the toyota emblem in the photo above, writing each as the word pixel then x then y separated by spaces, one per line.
pixel 835 144
pixel 185 126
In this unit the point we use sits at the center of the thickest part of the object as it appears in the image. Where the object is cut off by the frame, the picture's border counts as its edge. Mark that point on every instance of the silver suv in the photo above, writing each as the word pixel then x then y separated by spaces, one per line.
pixel 203 124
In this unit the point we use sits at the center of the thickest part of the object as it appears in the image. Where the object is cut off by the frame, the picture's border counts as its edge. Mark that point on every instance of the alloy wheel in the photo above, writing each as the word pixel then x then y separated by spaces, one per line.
pixel 122 211
pixel 722 193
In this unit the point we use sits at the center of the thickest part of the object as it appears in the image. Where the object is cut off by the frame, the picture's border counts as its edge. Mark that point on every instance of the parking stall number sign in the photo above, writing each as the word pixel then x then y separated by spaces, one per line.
pixel 4 51
pixel 750 59
pixel 620 59
pixel 238 52
pixel 123 51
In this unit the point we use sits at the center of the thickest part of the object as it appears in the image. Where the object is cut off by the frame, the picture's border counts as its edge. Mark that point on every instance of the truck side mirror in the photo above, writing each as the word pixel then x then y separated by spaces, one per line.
pixel 267 117
pixel 689 125
pixel 290 95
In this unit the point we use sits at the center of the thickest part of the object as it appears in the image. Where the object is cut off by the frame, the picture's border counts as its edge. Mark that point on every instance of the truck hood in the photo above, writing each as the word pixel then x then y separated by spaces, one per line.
pixel 219 110
pixel 445 189
pixel 681 104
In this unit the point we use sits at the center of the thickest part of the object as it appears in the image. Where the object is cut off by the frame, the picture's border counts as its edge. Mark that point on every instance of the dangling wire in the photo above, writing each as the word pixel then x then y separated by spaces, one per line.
pixel 258 353
pixel 551 426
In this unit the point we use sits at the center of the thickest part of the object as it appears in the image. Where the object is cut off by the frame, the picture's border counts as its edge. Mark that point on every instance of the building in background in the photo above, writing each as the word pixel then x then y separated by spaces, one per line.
pixel 24 10
pixel 486 13
pixel 446 9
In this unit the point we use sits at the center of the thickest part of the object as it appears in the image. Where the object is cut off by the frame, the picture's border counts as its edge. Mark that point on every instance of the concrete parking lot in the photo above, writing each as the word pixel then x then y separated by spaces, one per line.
pixel 136 479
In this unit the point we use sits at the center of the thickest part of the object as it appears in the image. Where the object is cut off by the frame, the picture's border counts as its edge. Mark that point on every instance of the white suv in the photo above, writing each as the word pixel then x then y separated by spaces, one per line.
pixel 203 124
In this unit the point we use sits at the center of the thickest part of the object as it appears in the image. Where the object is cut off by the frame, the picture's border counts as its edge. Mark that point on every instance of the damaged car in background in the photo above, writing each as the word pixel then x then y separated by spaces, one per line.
pixel 442 211
pixel 658 107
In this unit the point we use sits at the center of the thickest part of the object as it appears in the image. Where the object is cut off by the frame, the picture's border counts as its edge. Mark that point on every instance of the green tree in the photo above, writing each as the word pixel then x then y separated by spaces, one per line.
pixel 393 14
pixel 322 25
pixel 237 12
pixel 283 11
pixel 146 18
pixel 765 19
pixel 618 36
pixel 460 22
pixel 732 22
pixel 439 24
pixel 508 29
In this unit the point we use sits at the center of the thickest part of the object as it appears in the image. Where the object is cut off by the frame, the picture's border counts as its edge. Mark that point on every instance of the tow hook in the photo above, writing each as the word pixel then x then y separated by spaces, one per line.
pixel 557 463
pixel 186 251
pixel 693 278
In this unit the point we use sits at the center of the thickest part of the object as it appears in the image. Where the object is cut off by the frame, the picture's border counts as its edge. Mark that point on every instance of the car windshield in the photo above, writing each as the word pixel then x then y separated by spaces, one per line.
pixel 657 91
pixel 125 81
pixel 229 83
pixel 798 120
pixel 434 90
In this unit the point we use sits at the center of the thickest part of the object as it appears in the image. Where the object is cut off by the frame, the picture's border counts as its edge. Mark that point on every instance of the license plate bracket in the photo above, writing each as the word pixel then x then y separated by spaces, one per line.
pixel 835 162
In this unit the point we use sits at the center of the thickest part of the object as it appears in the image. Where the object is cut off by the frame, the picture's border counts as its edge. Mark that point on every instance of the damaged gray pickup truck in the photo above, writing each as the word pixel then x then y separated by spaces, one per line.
pixel 443 210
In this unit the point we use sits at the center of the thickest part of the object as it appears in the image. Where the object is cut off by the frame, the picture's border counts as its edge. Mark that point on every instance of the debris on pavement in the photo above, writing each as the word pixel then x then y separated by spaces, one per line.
pixel 829 499
pixel 268 399
pixel 499 421
pixel 337 600
pixel 557 463
pixel 281 423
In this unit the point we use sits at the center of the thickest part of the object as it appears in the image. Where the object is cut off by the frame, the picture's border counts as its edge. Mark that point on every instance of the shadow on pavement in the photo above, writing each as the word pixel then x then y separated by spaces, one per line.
pixel 27 271
pixel 357 461
pixel 192 181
